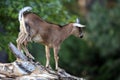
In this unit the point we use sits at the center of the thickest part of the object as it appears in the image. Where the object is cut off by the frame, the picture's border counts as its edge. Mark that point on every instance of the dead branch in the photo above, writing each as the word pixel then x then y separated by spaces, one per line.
pixel 17 53
pixel 23 69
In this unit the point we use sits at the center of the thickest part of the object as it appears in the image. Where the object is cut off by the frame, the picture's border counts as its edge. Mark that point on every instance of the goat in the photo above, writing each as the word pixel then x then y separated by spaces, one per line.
pixel 33 28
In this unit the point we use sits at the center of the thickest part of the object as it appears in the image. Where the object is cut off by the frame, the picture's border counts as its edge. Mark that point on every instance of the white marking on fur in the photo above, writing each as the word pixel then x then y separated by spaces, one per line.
pixel 77 20
pixel 37 38
pixel 78 25
pixel 23 31
pixel 22 11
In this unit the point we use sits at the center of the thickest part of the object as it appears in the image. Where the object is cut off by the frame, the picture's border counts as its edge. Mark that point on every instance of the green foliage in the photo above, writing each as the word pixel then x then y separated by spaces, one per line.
pixel 104 27
pixel 103 33
pixel 95 57
pixel 51 11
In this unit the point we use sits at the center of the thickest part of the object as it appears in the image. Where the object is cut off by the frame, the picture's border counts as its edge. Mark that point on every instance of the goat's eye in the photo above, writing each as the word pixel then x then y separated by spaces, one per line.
pixel 80 29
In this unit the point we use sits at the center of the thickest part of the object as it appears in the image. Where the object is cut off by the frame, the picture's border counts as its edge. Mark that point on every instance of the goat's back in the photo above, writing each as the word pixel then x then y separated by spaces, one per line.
pixel 40 28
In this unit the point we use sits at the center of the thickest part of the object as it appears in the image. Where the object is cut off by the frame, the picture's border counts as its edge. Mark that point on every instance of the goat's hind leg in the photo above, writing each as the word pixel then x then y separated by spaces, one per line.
pixel 27 52
pixel 22 38
pixel 19 40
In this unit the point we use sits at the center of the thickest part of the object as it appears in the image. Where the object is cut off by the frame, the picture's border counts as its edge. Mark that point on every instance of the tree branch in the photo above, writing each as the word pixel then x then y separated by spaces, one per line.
pixel 17 53
pixel 22 69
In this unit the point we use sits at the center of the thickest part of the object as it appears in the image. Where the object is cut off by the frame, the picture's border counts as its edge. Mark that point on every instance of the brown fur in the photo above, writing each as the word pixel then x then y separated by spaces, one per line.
pixel 51 35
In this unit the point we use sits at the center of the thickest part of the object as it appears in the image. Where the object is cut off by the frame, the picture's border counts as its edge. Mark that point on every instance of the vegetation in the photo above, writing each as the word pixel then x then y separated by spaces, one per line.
pixel 96 56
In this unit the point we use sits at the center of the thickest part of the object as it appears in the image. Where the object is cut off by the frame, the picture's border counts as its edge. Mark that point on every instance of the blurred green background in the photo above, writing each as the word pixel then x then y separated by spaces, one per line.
pixel 95 57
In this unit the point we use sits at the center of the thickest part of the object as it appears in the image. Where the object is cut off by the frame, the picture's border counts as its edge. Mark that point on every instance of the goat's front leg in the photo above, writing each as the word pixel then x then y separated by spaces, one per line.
pixel 56 49
pixel 47 50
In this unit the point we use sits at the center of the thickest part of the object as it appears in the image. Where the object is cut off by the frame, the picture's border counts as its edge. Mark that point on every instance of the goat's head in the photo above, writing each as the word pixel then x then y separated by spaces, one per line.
pixel 77 29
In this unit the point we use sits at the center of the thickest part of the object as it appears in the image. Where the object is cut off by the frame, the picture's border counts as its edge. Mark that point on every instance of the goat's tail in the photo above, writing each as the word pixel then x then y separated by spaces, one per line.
pixel 23 34
pixel 22 11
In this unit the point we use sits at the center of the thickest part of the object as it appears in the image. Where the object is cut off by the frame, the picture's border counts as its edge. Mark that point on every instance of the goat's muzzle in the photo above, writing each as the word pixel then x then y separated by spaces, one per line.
pixel 81 35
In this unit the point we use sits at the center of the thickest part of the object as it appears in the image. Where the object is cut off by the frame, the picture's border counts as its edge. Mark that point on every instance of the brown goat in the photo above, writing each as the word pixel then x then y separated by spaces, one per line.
pixel 33 28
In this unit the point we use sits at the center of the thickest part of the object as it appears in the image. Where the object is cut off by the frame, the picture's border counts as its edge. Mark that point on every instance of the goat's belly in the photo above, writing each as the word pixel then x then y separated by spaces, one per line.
pixel 37 38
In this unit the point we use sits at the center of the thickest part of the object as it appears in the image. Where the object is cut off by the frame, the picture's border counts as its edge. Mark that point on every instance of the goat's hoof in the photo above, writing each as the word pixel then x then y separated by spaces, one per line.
pixel 31 58
pixel 49 67
pixel 59 69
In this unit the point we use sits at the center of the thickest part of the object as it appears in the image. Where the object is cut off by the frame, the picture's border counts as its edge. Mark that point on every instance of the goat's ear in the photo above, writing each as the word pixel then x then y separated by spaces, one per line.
pixel 78 25
pixel 77 20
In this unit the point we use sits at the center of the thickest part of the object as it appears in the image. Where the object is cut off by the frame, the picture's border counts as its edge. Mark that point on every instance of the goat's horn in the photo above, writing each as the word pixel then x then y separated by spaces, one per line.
pixel 78 25
pixel 77 20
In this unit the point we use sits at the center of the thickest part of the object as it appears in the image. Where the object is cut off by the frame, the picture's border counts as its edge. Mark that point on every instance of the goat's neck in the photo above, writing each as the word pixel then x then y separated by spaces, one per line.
pixel 66 31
